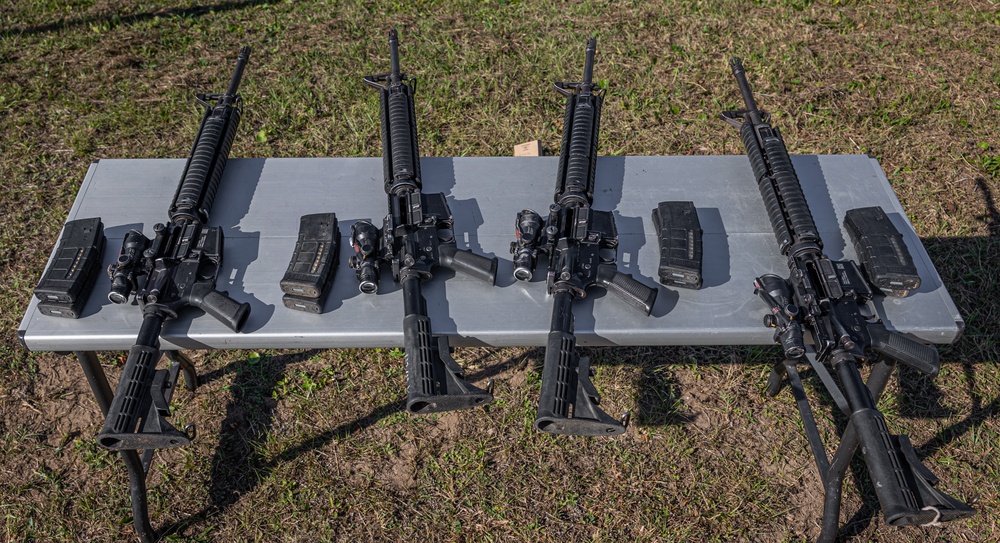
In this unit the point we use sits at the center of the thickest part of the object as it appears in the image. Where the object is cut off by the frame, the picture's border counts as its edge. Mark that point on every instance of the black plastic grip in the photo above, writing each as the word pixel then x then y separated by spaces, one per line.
pixel 625 287
pixel 904 350
pixel 469 263
pixel 225 309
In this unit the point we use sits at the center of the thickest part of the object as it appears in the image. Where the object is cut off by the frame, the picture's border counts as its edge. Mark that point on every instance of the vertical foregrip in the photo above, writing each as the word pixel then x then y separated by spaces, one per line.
pixel 771 201
pixel 790 190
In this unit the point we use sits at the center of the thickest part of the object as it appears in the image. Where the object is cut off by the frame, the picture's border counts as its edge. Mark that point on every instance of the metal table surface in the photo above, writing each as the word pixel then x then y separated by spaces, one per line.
pixel 260 202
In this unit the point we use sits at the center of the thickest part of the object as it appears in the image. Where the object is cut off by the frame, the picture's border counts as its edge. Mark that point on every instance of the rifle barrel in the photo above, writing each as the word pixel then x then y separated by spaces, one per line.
pixel 588 67
pixel 396 78
pixel 741 78
pixel 241 61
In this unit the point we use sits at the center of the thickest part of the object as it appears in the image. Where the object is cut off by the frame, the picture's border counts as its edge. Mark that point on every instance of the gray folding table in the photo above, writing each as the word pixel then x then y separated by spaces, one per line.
pixel 260 202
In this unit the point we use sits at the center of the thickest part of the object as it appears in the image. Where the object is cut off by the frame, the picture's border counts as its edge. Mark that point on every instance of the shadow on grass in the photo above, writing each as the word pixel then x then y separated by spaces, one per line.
pixel 975 284
pixel 237 467
pixel 975 288
pixel 114 20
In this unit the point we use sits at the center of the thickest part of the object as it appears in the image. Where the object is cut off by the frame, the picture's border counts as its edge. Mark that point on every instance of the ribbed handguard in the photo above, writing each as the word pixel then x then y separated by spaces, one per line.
pixel 904 350
pixel 787 182
pixel 772 204
pixel 469 263
pixel 434 381
pixel 581 163
pixel 207 162
pixel 625 287
pixel 130 398
pixel 401 134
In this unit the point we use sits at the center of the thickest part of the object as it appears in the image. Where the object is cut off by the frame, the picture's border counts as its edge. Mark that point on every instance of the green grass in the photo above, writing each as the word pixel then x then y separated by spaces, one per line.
pixel 298 446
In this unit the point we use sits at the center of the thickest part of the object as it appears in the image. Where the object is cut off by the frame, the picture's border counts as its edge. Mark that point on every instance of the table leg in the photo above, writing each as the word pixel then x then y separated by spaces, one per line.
pixel 98 381
pixel 94 372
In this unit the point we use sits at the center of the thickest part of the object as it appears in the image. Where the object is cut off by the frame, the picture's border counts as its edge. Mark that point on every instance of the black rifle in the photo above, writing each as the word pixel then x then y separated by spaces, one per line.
pixel 825 297
pixel 581 244
pixel 174 270
pixel 417 236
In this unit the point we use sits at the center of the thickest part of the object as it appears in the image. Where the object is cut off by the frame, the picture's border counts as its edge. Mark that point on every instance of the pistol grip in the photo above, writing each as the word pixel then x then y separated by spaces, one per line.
pixel 904 350
pixel 225 309
pixel 469 263
pixel 627 288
